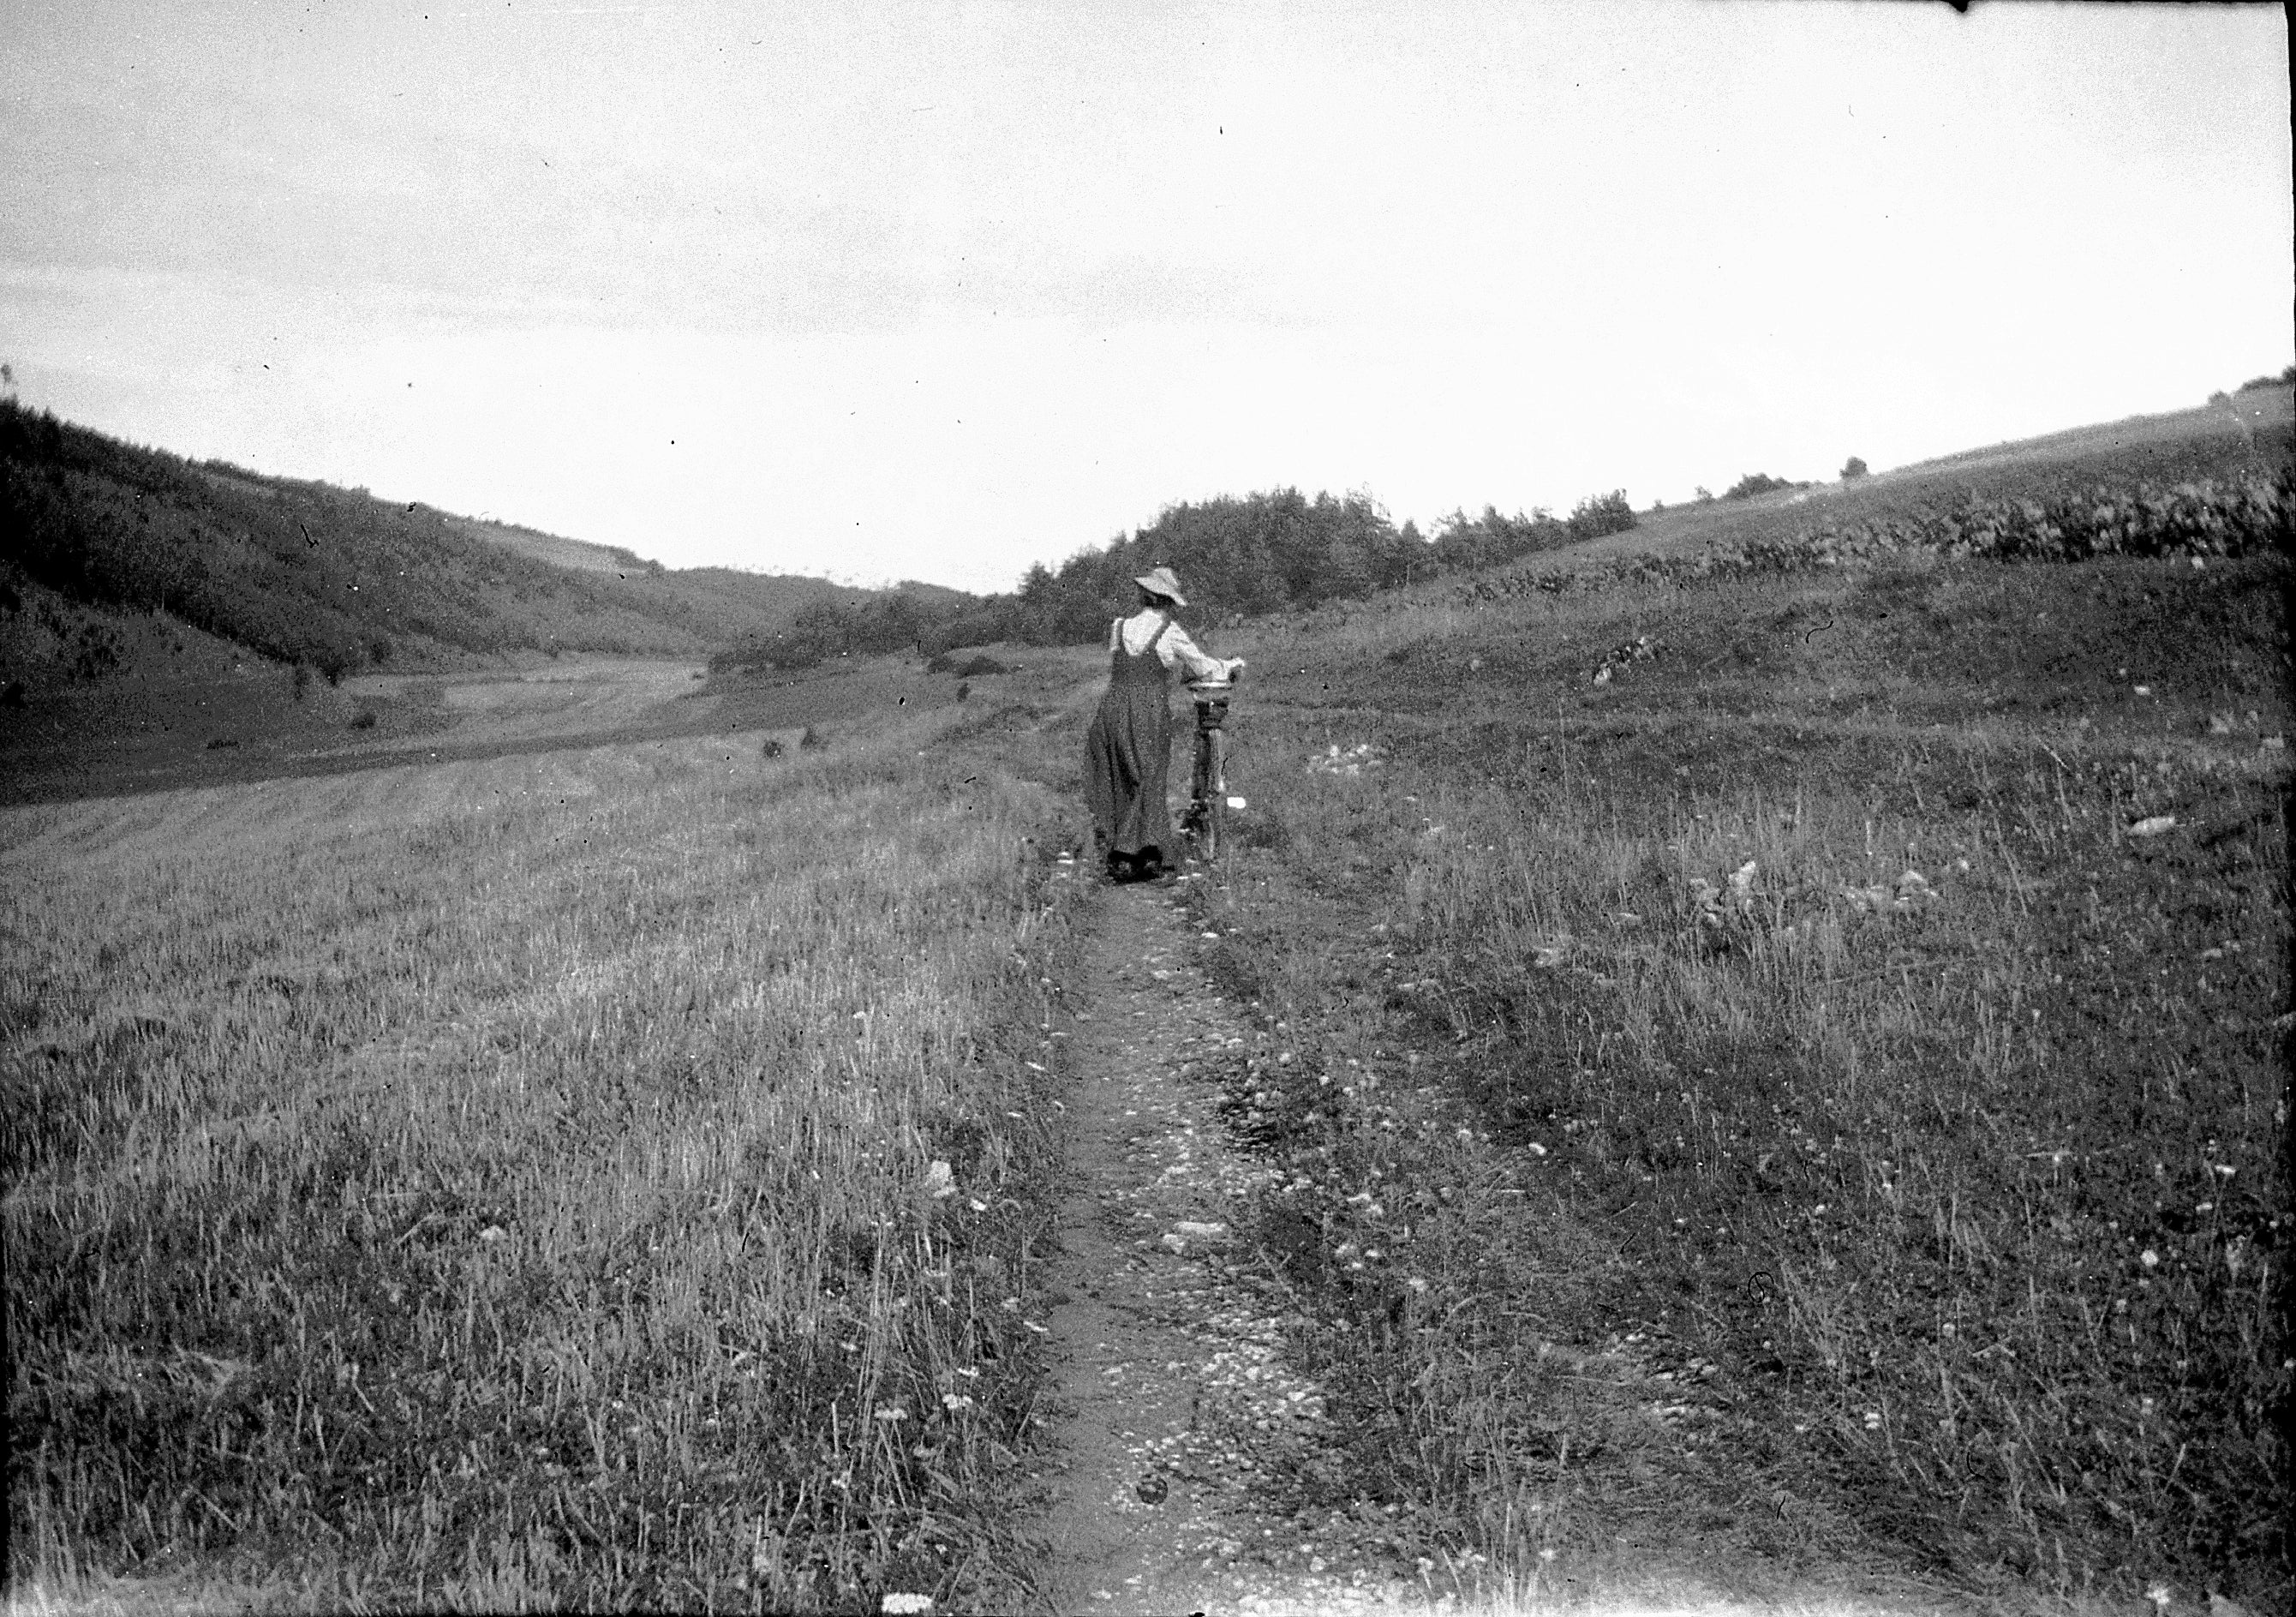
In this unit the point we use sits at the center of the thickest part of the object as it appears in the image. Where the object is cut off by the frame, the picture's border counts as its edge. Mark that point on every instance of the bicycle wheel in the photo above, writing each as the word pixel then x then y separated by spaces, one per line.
pixel 1211 760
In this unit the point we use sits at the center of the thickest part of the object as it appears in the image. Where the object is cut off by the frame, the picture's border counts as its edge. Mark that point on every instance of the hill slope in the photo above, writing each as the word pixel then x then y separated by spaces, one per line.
pixel 2248 442
pixel 309 573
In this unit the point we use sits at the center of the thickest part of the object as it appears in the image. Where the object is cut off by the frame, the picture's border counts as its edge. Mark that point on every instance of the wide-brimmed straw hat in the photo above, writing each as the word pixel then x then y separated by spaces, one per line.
pixel 1161 582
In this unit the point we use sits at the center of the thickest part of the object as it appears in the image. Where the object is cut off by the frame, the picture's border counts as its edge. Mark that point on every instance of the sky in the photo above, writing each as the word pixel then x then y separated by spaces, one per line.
pixel 936 291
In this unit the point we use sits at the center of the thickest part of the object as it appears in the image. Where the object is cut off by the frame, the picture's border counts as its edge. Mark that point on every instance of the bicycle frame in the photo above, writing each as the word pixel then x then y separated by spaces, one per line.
pixel 1205 823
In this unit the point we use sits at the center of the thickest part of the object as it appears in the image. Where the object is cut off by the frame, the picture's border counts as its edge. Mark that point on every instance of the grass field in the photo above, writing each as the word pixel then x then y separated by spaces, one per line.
pixel 1779 1072
pixel 603 1177
pixel 1867 1007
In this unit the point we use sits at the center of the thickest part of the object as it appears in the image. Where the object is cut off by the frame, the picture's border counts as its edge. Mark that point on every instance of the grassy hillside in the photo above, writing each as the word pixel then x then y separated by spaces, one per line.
pixel 1860 994
pixel 2209 482
pixel 309 573
pixel 577 554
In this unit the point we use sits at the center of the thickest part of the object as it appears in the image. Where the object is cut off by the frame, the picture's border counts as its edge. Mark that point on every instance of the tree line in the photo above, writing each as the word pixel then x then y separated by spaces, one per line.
pixel 1280 551
pixel 1276 551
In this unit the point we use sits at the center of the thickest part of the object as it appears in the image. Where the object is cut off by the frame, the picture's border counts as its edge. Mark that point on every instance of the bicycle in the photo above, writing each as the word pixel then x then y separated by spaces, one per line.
pixel 1205 821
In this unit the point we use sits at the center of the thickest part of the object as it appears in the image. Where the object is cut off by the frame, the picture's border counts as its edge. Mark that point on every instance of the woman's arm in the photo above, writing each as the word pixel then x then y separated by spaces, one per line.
pixel 1180 654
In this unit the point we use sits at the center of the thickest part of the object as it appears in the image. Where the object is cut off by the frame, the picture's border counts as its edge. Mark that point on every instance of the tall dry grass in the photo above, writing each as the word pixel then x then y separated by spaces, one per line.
pixel 514 1183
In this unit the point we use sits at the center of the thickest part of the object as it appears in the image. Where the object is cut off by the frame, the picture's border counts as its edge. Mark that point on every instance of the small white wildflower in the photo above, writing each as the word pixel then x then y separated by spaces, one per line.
pixel 892 1412
pixel 907 1604
pixel 2149 1257
pixel 941 1180
pixel 954 1402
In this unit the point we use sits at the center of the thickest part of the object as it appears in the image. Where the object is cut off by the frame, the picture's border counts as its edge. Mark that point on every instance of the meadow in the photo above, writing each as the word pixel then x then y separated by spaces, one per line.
pixel 1775 1024
pixel 607 1177
pixel 1857 997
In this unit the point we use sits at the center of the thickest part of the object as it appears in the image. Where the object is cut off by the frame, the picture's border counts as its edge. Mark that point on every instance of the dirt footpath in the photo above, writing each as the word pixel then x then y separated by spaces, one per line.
pixel 1178 1430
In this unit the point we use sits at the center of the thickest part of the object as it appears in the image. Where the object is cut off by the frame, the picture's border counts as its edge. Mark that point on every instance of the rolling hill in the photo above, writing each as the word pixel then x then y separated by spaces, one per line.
pixel 332 579
pixel 2199 458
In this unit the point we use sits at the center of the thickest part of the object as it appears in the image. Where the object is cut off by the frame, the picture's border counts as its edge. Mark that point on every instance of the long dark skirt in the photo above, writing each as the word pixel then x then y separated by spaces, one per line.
pixel 1127 755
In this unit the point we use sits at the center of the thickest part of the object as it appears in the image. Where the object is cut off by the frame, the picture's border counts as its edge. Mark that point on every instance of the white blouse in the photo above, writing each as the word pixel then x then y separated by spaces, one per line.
pixel 1174 650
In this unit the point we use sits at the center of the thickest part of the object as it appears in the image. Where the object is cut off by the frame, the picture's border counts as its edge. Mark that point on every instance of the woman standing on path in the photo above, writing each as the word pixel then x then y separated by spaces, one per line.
pixel 1127 752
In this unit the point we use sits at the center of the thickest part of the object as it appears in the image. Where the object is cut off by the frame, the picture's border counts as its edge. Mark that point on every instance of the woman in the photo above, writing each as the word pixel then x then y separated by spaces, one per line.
pixel 1128 749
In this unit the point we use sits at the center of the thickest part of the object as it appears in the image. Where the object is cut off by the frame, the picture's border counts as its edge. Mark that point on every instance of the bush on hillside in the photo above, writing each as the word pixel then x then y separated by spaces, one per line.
pixel 1755 483
pixel 1602 513
pixel 892 621
pixel 1852 468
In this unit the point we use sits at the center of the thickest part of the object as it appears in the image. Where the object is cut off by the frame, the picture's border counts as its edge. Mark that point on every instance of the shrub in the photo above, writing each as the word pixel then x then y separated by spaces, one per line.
pixel 1754 483
pixel 1602 513
pixel 1852 468
pixel 363 720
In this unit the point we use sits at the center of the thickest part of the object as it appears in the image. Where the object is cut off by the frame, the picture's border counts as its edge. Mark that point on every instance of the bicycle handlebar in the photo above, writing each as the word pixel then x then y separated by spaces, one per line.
pixel 1217 687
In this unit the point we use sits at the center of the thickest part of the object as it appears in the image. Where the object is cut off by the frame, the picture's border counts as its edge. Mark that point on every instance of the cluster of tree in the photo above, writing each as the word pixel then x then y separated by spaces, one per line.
pixel 1757 482
pixel 1270 552
pixel 910 616
pixel 1256 555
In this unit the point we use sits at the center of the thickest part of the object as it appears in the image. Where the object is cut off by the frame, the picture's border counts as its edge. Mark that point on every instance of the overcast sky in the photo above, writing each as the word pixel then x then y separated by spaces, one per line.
pixel 937 289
